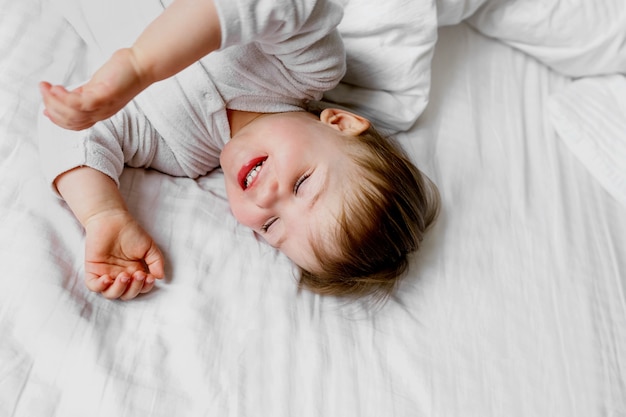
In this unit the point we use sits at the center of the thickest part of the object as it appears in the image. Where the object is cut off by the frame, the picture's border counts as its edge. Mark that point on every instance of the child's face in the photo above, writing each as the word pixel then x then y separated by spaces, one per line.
pixel 285 175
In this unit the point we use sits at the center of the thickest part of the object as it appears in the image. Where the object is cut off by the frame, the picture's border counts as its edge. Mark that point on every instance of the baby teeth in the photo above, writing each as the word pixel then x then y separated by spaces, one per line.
pixel 253 173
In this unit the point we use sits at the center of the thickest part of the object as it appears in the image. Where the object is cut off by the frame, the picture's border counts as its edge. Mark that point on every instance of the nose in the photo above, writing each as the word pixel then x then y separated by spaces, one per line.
pixel 267 193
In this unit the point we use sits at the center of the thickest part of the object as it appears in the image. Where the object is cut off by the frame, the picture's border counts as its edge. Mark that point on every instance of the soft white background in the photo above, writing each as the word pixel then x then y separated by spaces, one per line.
pixel 515 306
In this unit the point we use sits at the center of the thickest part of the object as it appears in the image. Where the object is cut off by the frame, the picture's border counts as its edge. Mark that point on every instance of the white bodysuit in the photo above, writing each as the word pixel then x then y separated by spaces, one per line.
pixel 276 55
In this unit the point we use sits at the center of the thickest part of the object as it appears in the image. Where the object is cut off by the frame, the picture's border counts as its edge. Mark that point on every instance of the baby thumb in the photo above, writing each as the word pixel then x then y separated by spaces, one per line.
pixel 154 262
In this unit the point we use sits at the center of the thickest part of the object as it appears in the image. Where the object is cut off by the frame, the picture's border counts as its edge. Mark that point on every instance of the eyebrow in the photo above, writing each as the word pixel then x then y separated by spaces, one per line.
pixel 320 190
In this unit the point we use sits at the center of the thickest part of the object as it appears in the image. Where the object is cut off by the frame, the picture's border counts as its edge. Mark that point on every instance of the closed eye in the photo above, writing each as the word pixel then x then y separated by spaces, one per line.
pixel 268 224
pixel 299 182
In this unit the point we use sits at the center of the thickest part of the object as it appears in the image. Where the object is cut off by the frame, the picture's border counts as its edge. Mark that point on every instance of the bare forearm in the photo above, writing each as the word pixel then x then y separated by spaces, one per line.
pixel 121 259
pixel 185 32
pixel 89 193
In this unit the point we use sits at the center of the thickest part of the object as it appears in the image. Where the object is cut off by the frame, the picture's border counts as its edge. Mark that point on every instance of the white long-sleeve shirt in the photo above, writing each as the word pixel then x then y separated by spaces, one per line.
pixel 276 55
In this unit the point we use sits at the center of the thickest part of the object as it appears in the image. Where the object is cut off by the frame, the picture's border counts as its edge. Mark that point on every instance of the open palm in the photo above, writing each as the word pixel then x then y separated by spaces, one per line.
pixel 108 91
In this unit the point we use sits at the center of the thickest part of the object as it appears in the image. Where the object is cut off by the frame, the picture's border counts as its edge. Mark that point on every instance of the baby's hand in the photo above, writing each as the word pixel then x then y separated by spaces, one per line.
pixel 116 83
pixel 121 259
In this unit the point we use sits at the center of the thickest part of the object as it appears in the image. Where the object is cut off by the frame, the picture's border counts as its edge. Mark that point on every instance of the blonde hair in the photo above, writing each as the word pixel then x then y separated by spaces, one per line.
pixel 383 220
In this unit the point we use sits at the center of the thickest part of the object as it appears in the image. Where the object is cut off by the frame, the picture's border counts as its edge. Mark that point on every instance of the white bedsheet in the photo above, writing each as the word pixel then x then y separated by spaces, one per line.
pixel 515 307
pixel 590 116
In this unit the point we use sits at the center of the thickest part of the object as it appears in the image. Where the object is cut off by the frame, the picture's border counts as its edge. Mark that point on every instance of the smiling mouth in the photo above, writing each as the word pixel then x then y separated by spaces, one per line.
pixel 251 175
pixel 249 171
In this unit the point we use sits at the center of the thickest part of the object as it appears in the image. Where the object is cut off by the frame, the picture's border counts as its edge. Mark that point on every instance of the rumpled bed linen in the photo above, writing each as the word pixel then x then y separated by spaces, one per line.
pixel 515 306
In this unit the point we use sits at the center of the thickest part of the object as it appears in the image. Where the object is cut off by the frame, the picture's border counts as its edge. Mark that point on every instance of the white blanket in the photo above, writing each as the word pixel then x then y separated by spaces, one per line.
pixel 590 116
pixel 515 306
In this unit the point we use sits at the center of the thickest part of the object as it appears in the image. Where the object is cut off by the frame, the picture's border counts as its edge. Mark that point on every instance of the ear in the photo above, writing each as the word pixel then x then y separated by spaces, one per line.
pixel 345 121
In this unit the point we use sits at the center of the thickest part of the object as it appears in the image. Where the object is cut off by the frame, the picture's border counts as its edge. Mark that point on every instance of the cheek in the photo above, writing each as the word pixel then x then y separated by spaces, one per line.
pixel 244 213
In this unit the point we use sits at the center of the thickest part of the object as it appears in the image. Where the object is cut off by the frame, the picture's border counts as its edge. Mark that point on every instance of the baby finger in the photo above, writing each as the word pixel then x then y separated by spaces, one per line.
pixel 137 283
pixel 98 284
pixel 118 287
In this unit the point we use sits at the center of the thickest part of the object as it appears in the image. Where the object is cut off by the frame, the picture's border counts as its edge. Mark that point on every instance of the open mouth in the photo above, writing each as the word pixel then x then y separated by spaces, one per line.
pixel 249 172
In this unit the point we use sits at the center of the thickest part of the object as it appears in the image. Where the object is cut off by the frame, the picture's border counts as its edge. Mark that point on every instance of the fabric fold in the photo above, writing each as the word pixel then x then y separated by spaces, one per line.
pixel 589 115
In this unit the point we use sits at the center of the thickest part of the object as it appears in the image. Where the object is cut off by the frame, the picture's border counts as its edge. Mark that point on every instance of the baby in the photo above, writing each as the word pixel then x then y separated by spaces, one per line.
pixel 342 202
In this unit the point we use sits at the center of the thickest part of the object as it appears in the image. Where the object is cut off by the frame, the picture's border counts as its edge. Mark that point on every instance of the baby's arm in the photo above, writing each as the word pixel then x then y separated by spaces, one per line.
pixel 185 32
pixel 121 259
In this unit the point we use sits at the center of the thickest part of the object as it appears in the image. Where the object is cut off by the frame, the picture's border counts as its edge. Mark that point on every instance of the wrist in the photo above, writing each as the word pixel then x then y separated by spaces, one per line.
pixel 90 194
pixel 139 62
pixel 113 214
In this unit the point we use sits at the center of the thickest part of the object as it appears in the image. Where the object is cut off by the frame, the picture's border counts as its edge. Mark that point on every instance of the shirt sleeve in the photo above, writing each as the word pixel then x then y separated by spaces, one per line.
pixel 301 34
pixel 126 138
